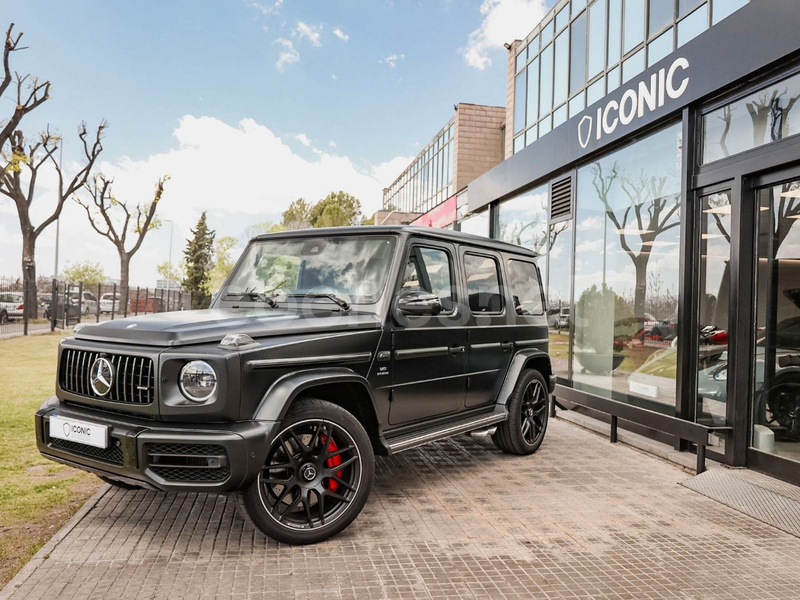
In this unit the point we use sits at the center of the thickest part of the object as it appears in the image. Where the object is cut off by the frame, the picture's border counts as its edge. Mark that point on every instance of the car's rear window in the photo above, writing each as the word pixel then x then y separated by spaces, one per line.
pixel 523 279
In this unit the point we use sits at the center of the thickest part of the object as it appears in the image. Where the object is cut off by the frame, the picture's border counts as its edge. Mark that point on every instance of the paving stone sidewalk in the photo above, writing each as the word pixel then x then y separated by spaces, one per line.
pixel 580 519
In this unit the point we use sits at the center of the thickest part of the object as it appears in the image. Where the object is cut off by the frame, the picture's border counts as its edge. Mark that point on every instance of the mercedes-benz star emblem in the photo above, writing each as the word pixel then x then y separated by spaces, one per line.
pixel 101 376
pixel 308 471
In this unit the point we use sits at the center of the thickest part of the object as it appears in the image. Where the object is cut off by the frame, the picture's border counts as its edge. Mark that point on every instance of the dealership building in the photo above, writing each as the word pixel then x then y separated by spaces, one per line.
pixel 651 159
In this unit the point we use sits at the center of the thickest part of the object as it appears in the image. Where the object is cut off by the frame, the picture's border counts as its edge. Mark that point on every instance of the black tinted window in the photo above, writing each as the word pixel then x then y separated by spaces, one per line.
pixel 523 280
pixel 483 284
pixel 428 270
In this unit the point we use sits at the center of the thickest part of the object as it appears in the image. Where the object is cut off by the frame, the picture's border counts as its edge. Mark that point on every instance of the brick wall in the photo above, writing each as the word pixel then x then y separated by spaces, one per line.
pixel 479 141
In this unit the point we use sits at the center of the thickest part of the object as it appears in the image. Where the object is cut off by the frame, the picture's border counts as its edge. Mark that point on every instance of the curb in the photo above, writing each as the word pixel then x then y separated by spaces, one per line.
pixel 44 552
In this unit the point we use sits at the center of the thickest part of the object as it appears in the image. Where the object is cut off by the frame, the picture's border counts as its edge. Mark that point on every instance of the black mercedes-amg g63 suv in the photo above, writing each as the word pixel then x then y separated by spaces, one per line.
pixel 322 349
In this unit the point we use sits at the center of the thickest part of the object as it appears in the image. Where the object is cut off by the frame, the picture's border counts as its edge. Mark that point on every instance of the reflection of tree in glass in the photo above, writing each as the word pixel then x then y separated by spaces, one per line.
pixel 539 240
pixel 786 213
pixel 648 214
pixel 718 201
pixel 278 273
pixel 604 320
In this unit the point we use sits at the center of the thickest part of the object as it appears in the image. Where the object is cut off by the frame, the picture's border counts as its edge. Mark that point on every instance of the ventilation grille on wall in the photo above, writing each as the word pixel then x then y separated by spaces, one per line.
pixel 561 199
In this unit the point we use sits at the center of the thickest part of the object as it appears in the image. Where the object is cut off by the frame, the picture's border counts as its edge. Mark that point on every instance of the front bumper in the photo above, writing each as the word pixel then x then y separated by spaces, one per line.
pixel 214 457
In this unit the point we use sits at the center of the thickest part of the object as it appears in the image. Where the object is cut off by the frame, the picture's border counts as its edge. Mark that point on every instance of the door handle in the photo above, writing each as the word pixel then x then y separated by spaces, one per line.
pixel 456 350
pixel 506 346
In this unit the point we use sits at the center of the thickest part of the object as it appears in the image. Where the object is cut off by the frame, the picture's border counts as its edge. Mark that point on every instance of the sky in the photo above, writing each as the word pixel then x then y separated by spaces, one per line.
pixel 246 105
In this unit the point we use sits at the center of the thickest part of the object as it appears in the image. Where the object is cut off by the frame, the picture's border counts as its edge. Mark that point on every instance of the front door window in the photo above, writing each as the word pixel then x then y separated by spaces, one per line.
pixel 713 314
pixel 776 393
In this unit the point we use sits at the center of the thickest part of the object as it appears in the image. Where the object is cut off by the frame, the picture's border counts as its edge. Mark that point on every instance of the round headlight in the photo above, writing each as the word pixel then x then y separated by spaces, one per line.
pixel 198 381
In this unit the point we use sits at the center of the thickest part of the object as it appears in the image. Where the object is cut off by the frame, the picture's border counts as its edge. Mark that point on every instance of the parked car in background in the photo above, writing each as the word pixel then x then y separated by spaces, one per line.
pixel 87 302
pixel 558 318
pixel 12 305
pixel 109 302
pixel 146 305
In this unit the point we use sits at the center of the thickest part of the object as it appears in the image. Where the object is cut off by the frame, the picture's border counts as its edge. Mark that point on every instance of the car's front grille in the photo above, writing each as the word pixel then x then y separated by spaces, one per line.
pixel 133 379
pixel 112 454
pixel 189 463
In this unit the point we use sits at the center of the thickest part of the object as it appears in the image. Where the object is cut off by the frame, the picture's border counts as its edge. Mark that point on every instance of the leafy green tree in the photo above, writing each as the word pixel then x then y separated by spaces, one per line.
pixel 369 220
pixel 174 273
pixel 223 261
pixel 197 256
pixel 335 210
pixel 87 273
pixel 297 216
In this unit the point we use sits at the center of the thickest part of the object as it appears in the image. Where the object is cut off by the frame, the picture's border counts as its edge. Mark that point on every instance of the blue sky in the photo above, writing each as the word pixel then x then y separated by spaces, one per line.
pixel 341 92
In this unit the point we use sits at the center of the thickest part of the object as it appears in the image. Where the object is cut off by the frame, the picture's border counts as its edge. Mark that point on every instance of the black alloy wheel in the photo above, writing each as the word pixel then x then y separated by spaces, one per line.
pixel 528 406
pixel 317 476
pixel 3 317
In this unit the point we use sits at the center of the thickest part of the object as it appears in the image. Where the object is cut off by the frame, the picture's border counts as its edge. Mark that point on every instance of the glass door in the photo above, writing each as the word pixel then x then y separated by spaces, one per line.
pixel 713 310
pixel 776 362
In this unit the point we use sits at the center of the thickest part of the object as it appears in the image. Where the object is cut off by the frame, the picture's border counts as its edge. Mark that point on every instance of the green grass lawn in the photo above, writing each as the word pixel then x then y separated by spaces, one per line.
pixel 37 496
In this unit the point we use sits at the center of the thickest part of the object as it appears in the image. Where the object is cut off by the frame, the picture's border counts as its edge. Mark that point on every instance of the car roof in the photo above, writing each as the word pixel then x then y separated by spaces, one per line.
pixel 457 237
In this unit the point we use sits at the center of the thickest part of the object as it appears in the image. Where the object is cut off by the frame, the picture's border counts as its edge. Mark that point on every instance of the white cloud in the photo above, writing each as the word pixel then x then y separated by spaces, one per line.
pixel 332 144
pixel 310 32
pixel 503 22
pixel 303 139
pixel 392 59
pixel 267 9
pixel 255 181
pixel 288 56
pixel 341 35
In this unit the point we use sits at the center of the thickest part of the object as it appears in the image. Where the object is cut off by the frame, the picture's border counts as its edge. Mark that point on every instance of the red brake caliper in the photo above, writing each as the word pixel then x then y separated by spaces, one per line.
pixel 332 462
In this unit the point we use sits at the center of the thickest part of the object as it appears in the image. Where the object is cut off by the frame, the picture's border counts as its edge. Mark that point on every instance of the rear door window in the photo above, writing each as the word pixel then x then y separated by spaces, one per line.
pixel 483 284
pixel 523 279
pixel 429 270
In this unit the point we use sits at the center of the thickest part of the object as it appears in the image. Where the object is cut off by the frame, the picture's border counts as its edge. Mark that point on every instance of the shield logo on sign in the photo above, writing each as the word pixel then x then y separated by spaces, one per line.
pixel 585 130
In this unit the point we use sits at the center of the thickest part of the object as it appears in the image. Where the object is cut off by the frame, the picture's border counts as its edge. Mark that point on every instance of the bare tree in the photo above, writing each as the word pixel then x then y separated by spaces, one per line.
pixel 104 221
pixel 18 178
pixel 31 93
pixel 648 214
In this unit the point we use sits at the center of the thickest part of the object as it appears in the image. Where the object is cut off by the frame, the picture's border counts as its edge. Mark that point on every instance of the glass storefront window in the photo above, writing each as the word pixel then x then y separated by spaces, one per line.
pixel 523 221
pixel 577 60
pixel 546 81
pixel 627 250
pixel 776 393
pixel 561 79
pixel 712 319
pixel 577 104
pixel 595 91
pixel 477 224
pixel 660 47
pixel 633 66
pixel 693 25
pixel 533 92
pixel 725 8
pixel 597 38
pixel 559 295
pixel 661 15
pixel 614 31
pixel 634 25
pixel 766 116
pixel 519 103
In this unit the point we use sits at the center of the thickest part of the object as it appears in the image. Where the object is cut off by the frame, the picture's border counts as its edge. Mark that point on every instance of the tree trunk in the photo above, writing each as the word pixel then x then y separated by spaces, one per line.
pixel 640 293
pixel 29 274
pixel 124 265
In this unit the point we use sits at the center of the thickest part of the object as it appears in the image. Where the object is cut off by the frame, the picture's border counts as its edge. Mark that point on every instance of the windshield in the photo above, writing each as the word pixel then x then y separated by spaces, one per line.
pixel 353 268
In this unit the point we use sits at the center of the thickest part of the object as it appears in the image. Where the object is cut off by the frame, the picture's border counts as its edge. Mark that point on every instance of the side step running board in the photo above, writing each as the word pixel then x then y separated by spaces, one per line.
pixel 412 440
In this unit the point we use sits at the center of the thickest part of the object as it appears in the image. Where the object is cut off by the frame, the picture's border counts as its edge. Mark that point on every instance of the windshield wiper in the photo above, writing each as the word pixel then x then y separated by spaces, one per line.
pixel 341 302
pixel 251 295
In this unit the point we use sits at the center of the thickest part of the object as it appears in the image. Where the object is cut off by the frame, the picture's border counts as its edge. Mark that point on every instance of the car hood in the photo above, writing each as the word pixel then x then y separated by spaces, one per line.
pixel 211 325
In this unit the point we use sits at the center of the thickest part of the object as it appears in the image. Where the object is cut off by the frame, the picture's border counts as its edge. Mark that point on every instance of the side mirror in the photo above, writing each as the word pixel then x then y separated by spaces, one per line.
pixel 419 304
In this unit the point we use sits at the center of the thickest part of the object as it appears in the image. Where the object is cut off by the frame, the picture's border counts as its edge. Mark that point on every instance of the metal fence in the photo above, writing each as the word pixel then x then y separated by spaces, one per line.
pixel 61 304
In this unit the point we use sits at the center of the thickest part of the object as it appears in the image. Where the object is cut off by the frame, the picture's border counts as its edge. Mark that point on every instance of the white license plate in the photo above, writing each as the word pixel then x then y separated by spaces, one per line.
pixel 81 432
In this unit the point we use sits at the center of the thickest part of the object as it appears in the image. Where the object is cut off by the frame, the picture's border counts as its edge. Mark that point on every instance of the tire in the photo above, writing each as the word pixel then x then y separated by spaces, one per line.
pixel 120 484
pixel 317 477
pixel 523 432
pixel 3 317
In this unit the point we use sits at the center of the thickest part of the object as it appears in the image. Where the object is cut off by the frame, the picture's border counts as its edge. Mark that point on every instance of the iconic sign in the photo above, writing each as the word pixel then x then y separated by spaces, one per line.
pixel 635 102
